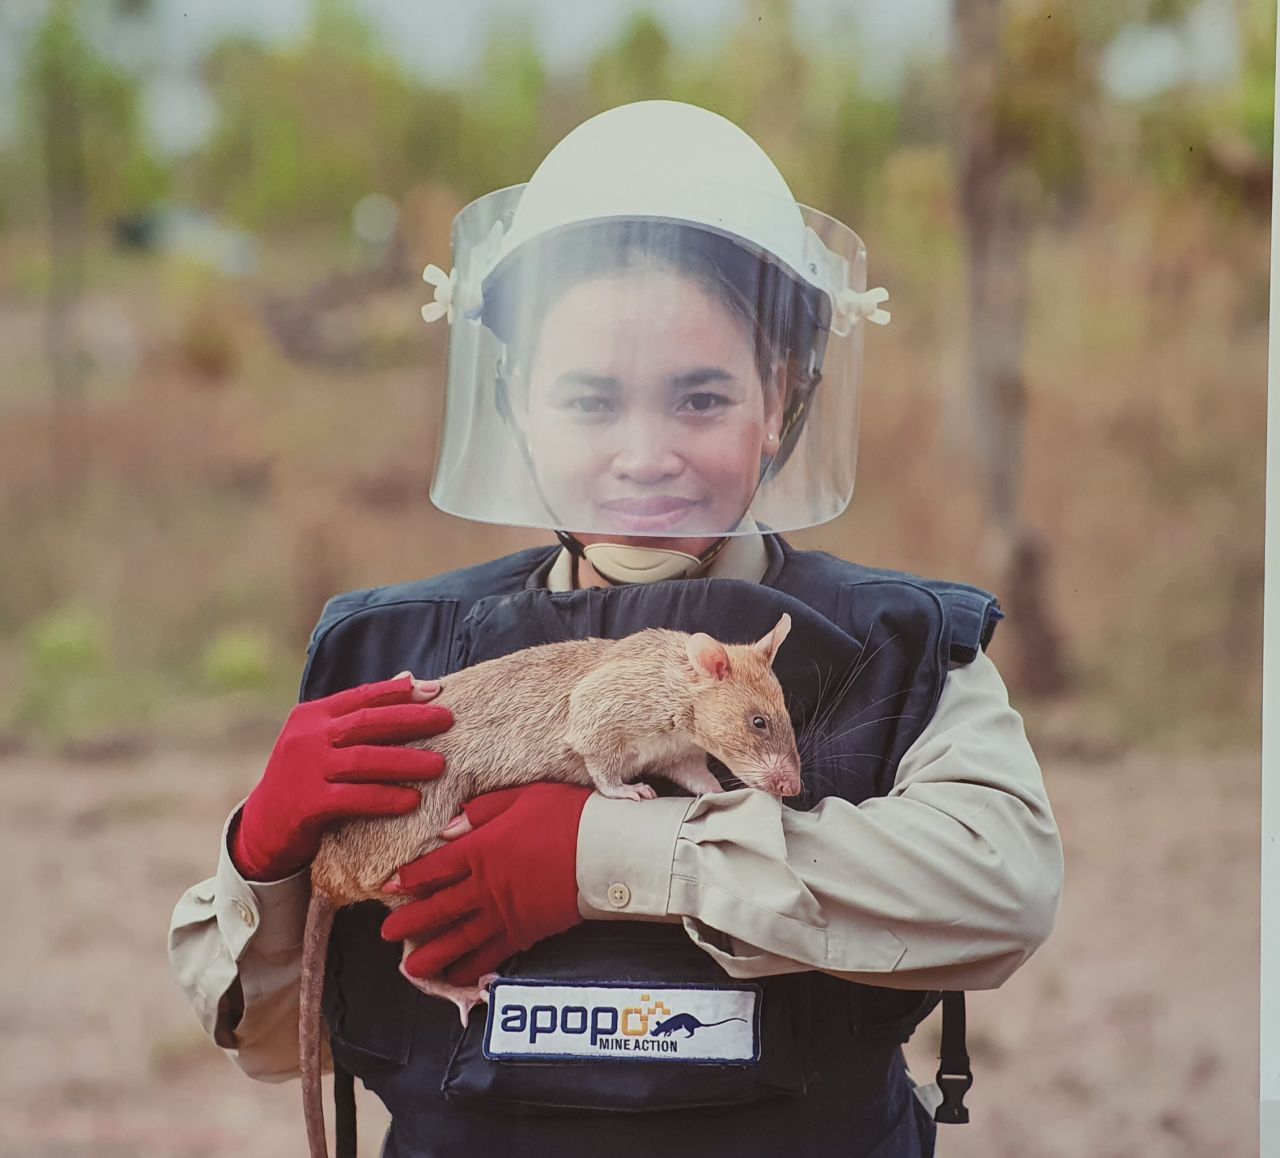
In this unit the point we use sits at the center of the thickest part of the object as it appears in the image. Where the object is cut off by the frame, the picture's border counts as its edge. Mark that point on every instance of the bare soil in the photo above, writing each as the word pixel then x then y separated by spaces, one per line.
pixel 1133 1032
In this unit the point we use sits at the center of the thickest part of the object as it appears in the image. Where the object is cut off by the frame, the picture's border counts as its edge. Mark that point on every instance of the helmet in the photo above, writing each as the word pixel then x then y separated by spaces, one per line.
pixel 652 233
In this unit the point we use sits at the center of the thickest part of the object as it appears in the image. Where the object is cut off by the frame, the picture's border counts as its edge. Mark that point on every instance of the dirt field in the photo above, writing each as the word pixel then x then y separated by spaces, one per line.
pixel 1133 1032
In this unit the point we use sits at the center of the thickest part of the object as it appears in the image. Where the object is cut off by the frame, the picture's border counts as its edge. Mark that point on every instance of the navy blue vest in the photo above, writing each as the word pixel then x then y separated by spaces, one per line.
pixel 862 668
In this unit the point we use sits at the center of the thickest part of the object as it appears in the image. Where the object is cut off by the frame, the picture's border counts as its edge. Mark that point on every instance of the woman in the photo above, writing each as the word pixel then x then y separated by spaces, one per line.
pixel 654 354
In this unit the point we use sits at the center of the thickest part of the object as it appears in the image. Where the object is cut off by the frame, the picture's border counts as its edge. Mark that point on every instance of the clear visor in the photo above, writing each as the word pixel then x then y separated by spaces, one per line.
pixel 639 376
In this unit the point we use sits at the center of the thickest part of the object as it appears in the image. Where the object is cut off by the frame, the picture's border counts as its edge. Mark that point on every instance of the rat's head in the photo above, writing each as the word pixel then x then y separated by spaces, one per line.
pixel 739 713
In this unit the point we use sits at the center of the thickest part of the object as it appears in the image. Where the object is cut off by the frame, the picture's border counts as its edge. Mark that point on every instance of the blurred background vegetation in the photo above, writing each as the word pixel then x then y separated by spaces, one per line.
pixel 219 406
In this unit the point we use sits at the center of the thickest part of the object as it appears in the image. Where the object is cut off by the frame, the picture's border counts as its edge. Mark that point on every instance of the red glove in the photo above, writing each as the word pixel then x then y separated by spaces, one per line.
pixel 501 887
pixel 330 763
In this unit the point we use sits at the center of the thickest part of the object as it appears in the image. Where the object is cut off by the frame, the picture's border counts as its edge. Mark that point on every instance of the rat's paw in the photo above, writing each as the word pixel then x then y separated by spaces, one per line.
pixel 465 997
pixel 626 791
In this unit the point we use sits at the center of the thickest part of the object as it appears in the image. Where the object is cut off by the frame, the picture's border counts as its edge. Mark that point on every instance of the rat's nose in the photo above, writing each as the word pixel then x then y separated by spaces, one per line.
pixel 788 783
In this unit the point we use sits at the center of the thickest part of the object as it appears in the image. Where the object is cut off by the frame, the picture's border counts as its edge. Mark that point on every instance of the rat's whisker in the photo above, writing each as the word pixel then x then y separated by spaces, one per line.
pixel 811 723
pixel 846 685
pixel 835 737
pixel 865 661
pixel 848 756
pixel 875 704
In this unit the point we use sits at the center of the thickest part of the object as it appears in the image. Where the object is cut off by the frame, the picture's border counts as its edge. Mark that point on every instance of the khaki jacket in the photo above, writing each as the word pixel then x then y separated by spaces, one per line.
pixel 951 881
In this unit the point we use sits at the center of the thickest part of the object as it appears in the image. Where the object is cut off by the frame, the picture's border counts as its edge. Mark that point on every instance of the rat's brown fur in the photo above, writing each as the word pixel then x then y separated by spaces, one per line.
pixel 592 712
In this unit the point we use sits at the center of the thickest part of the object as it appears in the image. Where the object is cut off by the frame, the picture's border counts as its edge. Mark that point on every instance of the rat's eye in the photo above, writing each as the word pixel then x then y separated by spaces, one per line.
pixel 760 723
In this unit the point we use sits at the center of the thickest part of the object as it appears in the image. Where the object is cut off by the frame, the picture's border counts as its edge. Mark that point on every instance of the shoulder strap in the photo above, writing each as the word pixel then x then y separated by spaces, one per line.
pixel 954 1075
pixel 972 615
pixel 344 1111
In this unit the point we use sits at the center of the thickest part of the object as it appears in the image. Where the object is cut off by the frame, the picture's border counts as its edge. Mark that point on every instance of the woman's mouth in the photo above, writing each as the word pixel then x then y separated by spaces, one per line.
pixel 654 514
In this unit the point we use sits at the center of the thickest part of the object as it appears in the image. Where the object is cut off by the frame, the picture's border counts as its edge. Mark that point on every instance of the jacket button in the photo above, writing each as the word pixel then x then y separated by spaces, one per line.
pixel 243 911
pixel 619 895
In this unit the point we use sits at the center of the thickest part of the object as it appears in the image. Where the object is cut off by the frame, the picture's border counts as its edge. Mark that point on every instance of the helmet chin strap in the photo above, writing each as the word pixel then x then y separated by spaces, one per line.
pixel 618 563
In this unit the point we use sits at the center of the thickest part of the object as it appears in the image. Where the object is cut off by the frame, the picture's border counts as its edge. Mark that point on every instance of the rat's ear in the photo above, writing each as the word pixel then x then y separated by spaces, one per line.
pixel 768 646
pixel 708 656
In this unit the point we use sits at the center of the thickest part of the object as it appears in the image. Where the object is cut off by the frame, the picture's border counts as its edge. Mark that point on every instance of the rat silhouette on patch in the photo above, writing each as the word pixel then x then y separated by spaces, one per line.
pixel 688 1023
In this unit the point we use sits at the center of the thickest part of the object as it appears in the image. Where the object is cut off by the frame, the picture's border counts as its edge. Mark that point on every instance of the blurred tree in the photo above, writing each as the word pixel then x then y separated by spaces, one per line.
pixel 757 78
pixel 1256 20
pixel 304 132
pixel 1019 88
pixel 58 67
pixel 503 137
pixel 66 81
pixel 82 121
pixel 637 67
pixel 1211 139
pixel 848 150
pixel 924 102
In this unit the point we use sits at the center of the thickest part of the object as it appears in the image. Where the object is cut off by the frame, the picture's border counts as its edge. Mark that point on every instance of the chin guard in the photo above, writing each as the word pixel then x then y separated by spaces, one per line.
pixel 620 564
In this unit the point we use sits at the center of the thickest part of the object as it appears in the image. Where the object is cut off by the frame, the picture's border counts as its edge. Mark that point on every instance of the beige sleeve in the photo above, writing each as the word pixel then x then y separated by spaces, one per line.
pixel 235 947
pixel 951 881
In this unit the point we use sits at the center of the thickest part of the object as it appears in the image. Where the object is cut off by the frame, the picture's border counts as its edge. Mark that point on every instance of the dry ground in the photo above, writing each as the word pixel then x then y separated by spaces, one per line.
pixel 1133 1032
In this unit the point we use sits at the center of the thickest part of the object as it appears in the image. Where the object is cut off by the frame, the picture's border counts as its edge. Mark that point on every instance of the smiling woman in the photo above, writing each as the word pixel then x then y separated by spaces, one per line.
pixel 655 422
pixel 653 352
pixel 642 361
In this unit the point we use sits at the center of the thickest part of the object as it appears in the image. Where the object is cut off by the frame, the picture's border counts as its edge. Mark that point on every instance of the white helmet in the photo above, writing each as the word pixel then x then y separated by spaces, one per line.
pixel 652 188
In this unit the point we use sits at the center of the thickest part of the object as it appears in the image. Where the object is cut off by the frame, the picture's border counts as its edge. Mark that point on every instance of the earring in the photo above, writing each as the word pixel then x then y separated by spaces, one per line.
pixel 773 437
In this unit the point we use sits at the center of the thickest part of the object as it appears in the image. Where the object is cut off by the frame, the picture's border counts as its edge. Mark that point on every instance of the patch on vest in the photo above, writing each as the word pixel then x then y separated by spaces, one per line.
pixel 610 1021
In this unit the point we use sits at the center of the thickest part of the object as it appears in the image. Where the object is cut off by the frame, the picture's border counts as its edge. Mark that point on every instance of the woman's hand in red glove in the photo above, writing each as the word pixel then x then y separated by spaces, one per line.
pixel 337 758
pixel 507 879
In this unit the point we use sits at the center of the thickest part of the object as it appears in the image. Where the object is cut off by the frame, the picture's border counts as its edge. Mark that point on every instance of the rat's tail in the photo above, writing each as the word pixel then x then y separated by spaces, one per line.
pixel 315 941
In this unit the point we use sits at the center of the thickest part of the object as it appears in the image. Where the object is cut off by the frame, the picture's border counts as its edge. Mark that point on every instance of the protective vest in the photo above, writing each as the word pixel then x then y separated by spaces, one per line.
pixel 869 650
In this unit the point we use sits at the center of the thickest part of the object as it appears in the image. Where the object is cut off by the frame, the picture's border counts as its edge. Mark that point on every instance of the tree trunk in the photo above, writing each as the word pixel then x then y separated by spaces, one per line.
pixel 996 194
pixel 65 186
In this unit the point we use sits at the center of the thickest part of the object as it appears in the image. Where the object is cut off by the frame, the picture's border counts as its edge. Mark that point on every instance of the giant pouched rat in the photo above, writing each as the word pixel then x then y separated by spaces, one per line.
pixel 594 712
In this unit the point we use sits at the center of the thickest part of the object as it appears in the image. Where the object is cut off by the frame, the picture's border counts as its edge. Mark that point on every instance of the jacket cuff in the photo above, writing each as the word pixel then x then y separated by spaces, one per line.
pixel 625 852
pixel 272 914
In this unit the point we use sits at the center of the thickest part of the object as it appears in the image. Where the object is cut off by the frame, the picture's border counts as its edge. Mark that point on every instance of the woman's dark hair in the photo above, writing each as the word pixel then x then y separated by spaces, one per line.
pixel 788 318
pixel 776 307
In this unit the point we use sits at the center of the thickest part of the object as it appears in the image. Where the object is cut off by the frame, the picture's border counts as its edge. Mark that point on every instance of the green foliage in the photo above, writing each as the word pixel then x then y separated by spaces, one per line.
pixel 637 67
pixel 303 133
pixel 65 644
pixel 1206 140
pixel 864 133
pixel 83 135
pixel 67 688
pixel 1255 109
pixel 306 131
pixel 502 139
pixel 1046 93
pixel 237 659
pixel 1174 134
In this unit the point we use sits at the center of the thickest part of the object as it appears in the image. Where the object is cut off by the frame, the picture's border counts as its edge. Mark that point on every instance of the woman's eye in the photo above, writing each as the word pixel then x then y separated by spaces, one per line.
pixel 760 723
pixel 590 404
pixel 704 402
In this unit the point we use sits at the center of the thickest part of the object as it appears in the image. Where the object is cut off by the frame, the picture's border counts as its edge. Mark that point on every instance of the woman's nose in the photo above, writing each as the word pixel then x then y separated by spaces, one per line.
pixel 646 453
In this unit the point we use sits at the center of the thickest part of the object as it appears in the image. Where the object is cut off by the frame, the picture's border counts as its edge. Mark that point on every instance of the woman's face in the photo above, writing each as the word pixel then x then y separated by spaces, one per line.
pixel 645 412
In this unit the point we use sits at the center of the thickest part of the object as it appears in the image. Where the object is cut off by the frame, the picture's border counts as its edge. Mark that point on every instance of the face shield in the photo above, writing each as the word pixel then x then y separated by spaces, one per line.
pixel 638 374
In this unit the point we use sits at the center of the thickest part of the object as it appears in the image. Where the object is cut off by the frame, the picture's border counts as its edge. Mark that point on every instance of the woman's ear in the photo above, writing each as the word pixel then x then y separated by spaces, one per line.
pixel 774 395
pixel 513 390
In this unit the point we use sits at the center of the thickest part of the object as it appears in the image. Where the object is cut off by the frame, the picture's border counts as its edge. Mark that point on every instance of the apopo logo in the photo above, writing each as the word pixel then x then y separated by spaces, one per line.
pixel 605 1026
pixel 598 1019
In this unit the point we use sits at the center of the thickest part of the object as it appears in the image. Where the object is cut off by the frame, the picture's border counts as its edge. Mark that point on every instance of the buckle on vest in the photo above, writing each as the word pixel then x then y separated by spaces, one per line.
pixel 952 1110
